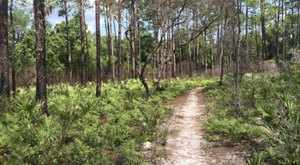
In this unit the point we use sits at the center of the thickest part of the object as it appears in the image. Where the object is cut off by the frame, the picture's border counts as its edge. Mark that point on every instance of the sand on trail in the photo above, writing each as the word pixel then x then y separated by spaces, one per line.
pixel 185 143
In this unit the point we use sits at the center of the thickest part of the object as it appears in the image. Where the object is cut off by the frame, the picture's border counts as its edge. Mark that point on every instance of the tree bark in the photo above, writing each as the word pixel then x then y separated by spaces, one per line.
pixel 120 41
pixel 212 51
pixel 247 37
pixel 173 47
pixel 223 43
pixel 82 44
pixel 13 53
pixel 134 61
pixel 190 70
pixel 68 42
pixel 41 95
pixel 87 59
pixel 277 33
pixel 98 47
pixel 298 22
pixel 263 30
pixel 284 34
pixel 111 47
pixel 204 51
pixel 237 76
pixel 5 91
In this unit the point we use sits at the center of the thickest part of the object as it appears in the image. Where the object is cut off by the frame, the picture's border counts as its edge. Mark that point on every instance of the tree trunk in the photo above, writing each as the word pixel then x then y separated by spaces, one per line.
pixel 82 43
pixel 190 61
pixel 180 61
pixel 111 40
pixel 298 22
pixel 13 53
pixel 237 76
pixel 98 47
pixel 39 11
pixel 284 34
pixel 134 60
pixel 87 59
pixel 120 42
pixel 256 38
pixel 247 38
pixel 173 47
pixel 204 51
pixel 156 58
pixel 212 52
pixel 180 50
pixel 196 46
pixel 4 48
pixel 223 43
pixel 277 33
pixel 68 42
pixel 263 30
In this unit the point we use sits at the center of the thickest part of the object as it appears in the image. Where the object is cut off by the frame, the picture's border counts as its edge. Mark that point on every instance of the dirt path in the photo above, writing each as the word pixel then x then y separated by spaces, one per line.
pixel 185 143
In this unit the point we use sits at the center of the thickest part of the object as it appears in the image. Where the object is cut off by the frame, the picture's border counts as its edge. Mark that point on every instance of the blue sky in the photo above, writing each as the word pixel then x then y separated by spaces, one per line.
pixel 89 19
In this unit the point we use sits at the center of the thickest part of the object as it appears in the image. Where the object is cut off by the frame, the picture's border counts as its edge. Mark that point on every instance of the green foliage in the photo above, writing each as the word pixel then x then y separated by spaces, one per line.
pixel 269 116
pixel 83 129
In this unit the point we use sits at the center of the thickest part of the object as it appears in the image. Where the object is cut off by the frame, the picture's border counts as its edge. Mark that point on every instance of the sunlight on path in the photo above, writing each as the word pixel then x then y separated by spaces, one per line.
pixel 186 144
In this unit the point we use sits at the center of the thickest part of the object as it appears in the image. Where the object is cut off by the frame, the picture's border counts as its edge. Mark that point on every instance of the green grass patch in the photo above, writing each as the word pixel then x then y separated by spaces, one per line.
pixel 269 119
pixel 83 129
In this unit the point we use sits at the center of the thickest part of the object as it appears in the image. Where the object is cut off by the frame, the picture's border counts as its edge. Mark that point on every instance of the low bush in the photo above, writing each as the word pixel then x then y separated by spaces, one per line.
pixel 83 129
pixel 269 119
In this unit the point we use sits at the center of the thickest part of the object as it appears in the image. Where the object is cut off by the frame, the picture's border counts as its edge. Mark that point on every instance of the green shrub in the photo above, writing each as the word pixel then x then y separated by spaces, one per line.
pixel 83 129
pixel 270 116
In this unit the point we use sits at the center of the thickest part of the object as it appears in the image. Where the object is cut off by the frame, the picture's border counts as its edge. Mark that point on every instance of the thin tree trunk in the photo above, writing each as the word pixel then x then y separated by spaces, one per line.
pixel 133 39
pixel 277 33
pixel 39 11
pixel 247 37
pixel 109 42
pixel 120 42
pixel 204 51
pixel 190 65
pixel 237 78
pixel 298 22
pixel 13 53
pixel 212 52
pixel 180 61
pixel 87 59
pixel 156 58
pixel 4 48
pixel 284 31
pixel 128 52
pixel 292 28
pixel 137 40
pixel 173 54
pixel 263 30
pixel 68 42
pixel 219 44
pixel 223 43
pixel 196 46
pixel 190 60
pixel 256 40
pixel 167 50
pixel 82 43
pixel 98 46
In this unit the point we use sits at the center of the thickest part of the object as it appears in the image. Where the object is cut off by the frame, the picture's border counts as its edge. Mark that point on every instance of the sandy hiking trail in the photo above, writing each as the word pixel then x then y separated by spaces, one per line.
pixel 185 142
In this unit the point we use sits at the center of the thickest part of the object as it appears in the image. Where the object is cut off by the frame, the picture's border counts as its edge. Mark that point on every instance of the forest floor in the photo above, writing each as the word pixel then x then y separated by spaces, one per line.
pixel 182 137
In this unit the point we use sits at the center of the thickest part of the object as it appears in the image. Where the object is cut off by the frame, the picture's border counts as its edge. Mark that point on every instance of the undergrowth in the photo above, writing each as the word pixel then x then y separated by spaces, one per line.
pixel 269 119
pixel 83 129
